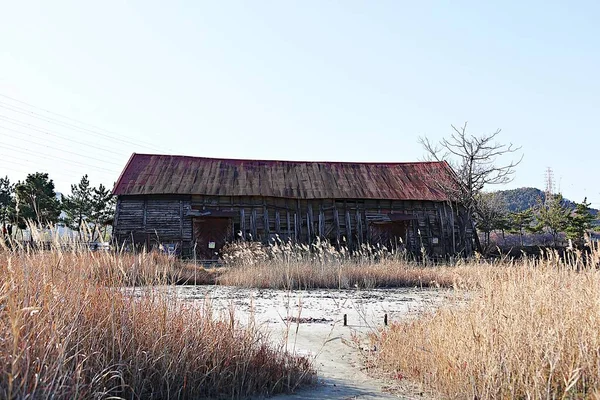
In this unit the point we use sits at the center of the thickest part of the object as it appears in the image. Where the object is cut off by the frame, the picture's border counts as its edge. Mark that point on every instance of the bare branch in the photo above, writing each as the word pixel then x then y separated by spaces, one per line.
pixel 476 161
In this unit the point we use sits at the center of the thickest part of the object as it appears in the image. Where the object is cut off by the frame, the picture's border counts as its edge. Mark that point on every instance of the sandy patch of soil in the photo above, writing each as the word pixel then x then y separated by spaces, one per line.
pixel 310 322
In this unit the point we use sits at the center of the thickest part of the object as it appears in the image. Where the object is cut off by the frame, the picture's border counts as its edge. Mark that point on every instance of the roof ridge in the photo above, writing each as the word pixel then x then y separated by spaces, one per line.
pixel 289 161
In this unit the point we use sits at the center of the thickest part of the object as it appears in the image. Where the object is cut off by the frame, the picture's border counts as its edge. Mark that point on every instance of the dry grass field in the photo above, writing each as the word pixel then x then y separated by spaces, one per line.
pixel 67 330
pixel 516 329
pixel 528 330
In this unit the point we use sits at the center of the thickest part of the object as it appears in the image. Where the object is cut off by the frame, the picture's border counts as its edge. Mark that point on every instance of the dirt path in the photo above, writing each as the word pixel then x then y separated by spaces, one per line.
pixel 321 333
pixel 338 363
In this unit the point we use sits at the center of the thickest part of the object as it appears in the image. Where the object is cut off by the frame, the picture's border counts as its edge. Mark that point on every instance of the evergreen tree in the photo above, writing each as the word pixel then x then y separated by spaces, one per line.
pixel 78 206
pixel 579 222
pixel 521 222
pixel 36 201
pixel 553 216
pixel 7 200
pixel 103 207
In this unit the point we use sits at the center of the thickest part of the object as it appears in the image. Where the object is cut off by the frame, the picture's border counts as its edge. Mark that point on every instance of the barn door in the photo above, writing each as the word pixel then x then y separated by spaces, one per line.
pixel 211 234
pixel 389 234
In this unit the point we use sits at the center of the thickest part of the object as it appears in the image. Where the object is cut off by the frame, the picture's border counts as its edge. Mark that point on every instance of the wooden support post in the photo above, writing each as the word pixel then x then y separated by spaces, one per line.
pixel 117 212
pixel 277 223
pixel 145 213
pixel 253 229
pixel 266 224
pixel 289 226
pixel 243 222
pixel 321 224
pixel 180 219
pixel 442 239
pixel 385 319
pixel 336 222
pixel 345 319
pixel 348 229
pixel 308 228
pixel 310 219
pixel 146 235
pixel 359 229
pixel 295 227
pixel 452 229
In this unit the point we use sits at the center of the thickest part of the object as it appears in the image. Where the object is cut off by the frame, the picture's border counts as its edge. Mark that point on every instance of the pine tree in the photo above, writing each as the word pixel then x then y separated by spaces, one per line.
pixel 36 201
pixel 103 207
pixel 553 216
pixel 7 200
pixel 579 222
pixel 521 222
pixel 78 205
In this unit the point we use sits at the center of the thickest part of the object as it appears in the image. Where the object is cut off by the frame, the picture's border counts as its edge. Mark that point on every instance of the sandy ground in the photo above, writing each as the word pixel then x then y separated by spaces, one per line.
pixel 321 334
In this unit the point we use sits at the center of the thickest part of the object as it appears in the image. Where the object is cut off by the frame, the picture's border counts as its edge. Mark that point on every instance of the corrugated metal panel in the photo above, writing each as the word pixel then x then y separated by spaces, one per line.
pixel 165 174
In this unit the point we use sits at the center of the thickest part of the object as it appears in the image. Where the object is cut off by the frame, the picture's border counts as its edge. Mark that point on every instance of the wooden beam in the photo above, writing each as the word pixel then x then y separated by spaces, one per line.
pixel 181 219
pixel 336 222
pixel 253 225
pixel 359 225
pixel 266 223
pixel 117 210
pixel 295 227
pixel 321 223
pixel 348 229
pixel 311 223
pixel 243 222
pixel 145 212
pixel 308 227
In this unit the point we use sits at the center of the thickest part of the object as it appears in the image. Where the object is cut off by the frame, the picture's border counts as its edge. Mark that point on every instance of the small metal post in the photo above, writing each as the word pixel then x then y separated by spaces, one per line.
pixel 385 322
pixel 345 319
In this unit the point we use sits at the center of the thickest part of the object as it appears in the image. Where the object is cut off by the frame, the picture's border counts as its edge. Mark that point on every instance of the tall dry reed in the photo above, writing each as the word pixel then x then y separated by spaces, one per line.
pixel 320 265
pixel 68 330
pixel 529 330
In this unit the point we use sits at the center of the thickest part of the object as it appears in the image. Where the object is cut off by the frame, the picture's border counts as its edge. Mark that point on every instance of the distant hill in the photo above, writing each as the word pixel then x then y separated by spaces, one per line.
pixel 527 197
pixel 521 199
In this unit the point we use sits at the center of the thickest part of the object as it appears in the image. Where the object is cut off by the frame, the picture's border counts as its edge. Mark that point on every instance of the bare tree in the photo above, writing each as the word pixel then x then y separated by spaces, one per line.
pixel 491 215
pixel 476 162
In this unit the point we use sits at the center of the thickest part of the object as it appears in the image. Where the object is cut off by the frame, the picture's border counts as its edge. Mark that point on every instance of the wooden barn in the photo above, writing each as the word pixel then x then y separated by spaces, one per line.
pixel 200 204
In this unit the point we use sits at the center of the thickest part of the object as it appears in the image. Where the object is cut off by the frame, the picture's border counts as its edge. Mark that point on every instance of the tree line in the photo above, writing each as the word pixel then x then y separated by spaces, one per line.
pixel 35 200
pixel 550 215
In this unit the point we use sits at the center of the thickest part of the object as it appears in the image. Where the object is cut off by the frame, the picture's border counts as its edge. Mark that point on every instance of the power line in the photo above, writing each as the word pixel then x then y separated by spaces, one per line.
pixel 52 133
pixel 11 169
pixel 13 162
pixel 69 175
pixel 38 116
pixel 67 118
pixel 31 167
pixel 61 150
pixel 38 154
pixel 63 116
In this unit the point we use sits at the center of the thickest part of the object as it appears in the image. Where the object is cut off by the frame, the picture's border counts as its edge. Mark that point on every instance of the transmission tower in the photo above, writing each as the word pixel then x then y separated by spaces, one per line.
pixel 550 189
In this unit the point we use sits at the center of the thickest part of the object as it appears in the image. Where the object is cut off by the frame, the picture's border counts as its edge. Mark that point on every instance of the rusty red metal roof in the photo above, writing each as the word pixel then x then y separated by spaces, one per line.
pixel 147 174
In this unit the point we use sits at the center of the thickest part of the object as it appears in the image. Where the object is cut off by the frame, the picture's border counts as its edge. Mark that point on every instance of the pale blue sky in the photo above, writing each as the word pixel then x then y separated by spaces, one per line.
pixel 321 80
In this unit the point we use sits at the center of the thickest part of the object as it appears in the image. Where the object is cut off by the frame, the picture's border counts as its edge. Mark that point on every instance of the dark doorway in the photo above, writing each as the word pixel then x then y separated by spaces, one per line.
pixel 211 234
pixel 389 234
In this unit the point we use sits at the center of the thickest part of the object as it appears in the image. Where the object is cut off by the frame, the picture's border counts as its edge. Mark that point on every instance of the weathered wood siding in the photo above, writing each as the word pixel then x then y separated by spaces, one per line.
pixel 150 220
pixel 433 226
